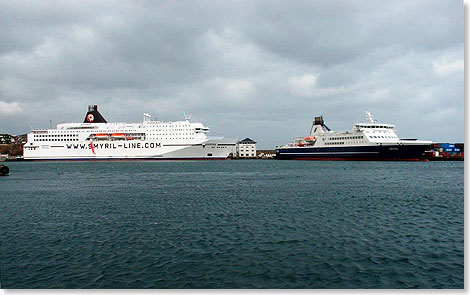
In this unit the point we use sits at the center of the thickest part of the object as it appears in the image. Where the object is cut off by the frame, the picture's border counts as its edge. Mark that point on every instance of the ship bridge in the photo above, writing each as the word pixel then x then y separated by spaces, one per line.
pixel 372 124
pixel 360 126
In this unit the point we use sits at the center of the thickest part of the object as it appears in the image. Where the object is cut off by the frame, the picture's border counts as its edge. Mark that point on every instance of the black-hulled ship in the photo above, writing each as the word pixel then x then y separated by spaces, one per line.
pixel 366 141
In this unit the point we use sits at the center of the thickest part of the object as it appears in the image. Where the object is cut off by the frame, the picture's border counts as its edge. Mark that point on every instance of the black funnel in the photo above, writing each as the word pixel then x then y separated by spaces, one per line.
pixel 93 116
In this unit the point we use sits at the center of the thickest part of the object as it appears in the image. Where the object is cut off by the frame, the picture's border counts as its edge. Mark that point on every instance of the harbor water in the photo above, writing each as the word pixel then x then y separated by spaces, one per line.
pixel 232 224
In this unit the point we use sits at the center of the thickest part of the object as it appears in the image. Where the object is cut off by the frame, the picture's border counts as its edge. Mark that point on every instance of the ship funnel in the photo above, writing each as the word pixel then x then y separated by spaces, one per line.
pixel 318 121
pixel 318 126
pixel 93 116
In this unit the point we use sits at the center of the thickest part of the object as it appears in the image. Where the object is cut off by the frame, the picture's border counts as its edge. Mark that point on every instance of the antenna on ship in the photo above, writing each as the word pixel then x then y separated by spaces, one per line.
pixel 187 117
pixel 147 117
pixel 370 117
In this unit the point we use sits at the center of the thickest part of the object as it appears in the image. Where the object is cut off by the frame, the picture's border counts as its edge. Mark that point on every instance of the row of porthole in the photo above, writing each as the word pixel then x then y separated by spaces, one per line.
pixel 57 139
pixel 347 137
pixel 56 135
pixel 170 138
pixel 381 136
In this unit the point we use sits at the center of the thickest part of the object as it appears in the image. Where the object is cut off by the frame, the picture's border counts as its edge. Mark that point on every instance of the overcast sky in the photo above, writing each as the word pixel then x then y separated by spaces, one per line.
pixel 258 69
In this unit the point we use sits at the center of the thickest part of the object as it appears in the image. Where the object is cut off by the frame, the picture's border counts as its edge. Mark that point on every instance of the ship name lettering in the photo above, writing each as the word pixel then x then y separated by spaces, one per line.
pixel 133 145
pixel 152 145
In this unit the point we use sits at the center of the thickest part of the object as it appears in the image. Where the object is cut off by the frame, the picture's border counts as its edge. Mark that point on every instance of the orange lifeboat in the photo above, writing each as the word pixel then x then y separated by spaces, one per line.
pixel 101 135
pixel 310 138
pixel 300 144
pixel 118 135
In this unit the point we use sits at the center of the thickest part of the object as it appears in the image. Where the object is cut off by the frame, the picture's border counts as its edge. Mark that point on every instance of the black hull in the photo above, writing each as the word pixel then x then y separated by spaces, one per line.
pixel 399 152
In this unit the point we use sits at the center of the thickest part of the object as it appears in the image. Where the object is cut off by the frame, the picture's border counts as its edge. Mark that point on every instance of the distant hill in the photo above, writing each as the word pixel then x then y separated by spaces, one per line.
pixel 12 149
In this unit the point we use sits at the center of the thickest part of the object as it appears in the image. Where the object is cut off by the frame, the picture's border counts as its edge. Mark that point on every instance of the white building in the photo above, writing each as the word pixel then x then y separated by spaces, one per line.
pixel 246 148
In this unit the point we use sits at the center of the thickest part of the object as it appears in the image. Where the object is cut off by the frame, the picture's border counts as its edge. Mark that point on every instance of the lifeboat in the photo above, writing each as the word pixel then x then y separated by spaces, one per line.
pixel 101 135
pixel 118 136
pixel 300 144
pixel 310 138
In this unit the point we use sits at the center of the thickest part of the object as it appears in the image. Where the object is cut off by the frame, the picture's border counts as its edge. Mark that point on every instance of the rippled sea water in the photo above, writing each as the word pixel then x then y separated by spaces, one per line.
pixel 232 224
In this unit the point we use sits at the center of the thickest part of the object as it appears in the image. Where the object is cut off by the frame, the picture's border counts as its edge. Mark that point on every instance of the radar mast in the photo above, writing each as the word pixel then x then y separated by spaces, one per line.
pixel 370 117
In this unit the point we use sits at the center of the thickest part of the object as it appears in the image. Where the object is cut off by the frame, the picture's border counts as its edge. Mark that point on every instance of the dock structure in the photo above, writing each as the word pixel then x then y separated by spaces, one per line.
pixel 446 152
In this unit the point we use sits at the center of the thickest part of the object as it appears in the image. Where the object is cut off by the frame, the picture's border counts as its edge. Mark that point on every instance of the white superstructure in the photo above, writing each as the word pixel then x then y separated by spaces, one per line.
pixel 97 139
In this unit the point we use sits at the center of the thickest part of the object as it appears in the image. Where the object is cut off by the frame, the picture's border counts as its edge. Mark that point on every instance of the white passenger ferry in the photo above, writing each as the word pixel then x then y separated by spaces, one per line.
pixel 366 141
pixel 96 139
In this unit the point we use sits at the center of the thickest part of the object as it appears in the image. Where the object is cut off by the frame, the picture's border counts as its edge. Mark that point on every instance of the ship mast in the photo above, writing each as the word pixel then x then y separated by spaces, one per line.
pixel 370 117
pixel 147 117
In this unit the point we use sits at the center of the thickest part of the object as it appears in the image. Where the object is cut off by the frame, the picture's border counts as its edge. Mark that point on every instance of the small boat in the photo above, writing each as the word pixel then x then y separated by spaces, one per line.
pixel 4 170
pixel 101 136
pixel 310 138
pixel 118 135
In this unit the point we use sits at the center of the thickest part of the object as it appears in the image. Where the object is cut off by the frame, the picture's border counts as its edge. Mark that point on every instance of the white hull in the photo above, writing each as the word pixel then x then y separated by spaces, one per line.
pixel 210 149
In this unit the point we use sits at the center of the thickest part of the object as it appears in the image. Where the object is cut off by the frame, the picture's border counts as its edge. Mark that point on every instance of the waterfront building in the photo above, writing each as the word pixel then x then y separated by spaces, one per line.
pixel 246 148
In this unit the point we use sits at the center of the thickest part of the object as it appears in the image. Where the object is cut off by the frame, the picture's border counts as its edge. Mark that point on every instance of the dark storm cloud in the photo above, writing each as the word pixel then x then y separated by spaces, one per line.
pixel 261 69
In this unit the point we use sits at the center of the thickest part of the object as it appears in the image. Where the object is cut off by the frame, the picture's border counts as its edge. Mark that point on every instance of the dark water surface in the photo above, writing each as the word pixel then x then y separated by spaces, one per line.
pixel 232 224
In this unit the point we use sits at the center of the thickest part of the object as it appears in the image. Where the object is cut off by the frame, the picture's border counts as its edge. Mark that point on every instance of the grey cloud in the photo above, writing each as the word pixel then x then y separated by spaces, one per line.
pixel 261 69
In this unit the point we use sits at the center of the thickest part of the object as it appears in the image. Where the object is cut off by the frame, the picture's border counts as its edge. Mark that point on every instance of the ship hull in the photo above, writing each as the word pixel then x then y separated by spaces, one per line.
pixel 146 150
pixel 399 152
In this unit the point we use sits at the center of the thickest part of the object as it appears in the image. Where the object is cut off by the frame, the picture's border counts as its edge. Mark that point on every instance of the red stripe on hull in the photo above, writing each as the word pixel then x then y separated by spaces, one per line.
pixel 135 159
pixel 355 159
